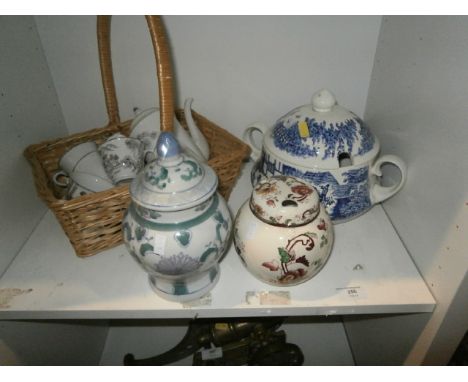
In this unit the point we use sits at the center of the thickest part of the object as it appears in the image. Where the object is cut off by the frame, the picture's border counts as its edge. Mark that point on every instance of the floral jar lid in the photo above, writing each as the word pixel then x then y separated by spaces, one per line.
pixel 285 201
pixel 174 181
pixel 320 134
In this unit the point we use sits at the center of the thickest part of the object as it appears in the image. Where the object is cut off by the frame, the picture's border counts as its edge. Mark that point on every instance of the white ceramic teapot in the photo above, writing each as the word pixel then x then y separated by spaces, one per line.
pixel 177 226
pixel 329 147
pixel 145 127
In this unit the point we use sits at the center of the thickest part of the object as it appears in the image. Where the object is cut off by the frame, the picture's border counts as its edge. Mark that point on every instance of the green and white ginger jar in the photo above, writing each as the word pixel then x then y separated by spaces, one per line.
pixel 177 226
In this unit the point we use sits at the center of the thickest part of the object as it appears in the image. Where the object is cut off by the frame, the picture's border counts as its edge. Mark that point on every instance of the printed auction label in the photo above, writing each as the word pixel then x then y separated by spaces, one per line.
pixel 353 292
pixel 268 298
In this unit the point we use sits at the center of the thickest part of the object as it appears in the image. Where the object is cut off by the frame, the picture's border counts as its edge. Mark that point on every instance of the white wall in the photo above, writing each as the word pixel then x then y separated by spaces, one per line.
pixel 239 69
pixel 30 113
pixel 51 343
pixel 417 104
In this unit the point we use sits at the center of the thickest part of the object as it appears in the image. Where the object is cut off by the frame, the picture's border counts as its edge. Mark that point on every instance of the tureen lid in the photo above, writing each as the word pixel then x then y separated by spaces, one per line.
pixel 323 133
pixel 285 201
pixel 173 181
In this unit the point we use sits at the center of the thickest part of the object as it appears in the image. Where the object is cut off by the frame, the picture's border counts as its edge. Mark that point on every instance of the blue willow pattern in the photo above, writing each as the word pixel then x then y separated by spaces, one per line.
pixel 337 138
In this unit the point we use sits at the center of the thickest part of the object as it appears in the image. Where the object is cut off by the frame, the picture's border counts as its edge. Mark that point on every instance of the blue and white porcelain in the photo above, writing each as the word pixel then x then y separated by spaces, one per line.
pixel 331 148
pixel 177 226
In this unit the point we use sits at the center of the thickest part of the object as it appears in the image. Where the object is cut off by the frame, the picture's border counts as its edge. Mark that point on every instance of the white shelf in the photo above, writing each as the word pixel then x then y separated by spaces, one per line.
pixel 47 281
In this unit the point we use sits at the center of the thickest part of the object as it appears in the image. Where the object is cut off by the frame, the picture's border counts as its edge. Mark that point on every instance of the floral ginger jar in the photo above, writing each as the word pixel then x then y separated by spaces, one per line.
pixel 332 149
pixel 177 226
pixel 282 233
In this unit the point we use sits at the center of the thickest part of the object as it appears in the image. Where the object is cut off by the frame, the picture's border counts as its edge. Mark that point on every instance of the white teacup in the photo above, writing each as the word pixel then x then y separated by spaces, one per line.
pixel 69 160
pixel 123 157
pixel 83 183
pixel 92 163
pixel 61 179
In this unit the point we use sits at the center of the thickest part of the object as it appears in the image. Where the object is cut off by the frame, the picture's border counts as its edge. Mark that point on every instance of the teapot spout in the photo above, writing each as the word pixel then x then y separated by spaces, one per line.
pixel 186 141
pixel 196 134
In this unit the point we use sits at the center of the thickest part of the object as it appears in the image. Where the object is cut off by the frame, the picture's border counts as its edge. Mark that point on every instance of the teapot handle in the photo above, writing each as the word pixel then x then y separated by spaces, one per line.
pixel 248 138
pixel 380 193
pixel 57 179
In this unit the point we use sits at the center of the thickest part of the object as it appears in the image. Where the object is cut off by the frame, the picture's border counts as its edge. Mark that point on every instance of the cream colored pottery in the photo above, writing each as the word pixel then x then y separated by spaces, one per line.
pixel 283 234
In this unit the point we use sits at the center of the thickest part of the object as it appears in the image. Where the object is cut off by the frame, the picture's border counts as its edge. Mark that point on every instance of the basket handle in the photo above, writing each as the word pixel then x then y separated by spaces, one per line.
pixel 163 70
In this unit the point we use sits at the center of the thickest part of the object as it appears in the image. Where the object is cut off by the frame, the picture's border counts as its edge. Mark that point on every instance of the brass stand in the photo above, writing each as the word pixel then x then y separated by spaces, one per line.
pixel 231 342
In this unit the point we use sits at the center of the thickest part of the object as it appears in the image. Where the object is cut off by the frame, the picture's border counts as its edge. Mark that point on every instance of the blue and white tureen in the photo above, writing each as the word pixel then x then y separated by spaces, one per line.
pixel 177 226
pixel 332 149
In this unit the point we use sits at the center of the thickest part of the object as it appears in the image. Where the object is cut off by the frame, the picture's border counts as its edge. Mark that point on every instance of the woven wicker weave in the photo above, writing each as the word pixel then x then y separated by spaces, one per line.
pixel 93 222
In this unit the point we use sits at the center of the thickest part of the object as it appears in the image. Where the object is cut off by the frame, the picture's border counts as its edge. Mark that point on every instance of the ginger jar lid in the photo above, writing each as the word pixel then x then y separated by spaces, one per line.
pixel 322 134
pixel 174 181
pixel 285 201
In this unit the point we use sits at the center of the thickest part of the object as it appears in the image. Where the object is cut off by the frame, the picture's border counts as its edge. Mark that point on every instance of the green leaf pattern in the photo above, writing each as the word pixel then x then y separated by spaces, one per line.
pixel 213 248
pixel 323 241
pixel 159 179
pixel 193 170
pixel 284 255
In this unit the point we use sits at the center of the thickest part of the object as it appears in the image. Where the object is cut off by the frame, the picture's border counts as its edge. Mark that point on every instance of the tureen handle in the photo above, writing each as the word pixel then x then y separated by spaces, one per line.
pixel 248 138
pixel 380 193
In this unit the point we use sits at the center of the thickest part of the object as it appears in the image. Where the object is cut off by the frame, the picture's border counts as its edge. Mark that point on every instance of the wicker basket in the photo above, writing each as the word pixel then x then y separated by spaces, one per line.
pixel 93 222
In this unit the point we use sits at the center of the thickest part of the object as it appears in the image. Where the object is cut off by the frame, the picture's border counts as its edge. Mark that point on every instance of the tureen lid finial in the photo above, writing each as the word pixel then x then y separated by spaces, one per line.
pixel 323 100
